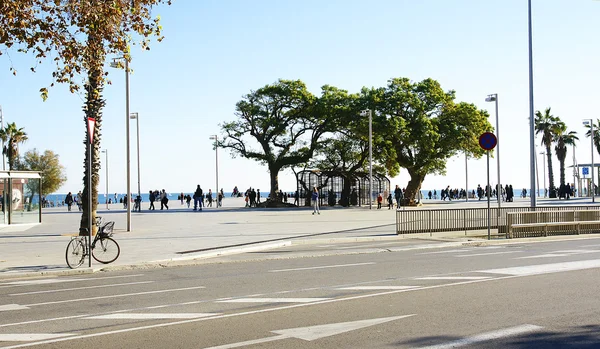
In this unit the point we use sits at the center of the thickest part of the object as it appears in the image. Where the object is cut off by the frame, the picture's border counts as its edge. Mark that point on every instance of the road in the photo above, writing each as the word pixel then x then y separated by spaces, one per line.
pixel 378 294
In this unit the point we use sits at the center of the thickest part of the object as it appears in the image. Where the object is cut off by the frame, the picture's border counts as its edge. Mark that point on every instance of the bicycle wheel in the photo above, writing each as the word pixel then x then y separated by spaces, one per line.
pixel 106 250
pixel 75 254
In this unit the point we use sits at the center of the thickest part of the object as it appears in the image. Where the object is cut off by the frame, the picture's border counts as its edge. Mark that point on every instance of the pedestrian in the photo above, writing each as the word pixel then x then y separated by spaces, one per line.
pixel 220 198
pixel 152 198
pixel 198 198
pixel 258 196
pixel 390 202
pixel 315 200
pixel 296 202
pixel 69 200
pixel 79 201
pixel 398 194
pixel 379 200
pixel 182 197
pixel 188 199
pixel 209 198
pixel 164 199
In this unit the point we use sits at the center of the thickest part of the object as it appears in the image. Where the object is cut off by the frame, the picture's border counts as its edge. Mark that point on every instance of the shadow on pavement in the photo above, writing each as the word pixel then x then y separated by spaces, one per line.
pixel 582 337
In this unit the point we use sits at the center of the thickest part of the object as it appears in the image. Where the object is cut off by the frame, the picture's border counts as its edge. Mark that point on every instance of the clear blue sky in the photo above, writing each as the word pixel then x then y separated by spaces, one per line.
pixel 217 51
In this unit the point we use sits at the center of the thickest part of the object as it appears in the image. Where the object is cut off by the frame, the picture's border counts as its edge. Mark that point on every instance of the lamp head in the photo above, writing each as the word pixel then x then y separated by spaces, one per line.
pixel 364 112
pixel 213 137
pixel 133 115
pixel 491 98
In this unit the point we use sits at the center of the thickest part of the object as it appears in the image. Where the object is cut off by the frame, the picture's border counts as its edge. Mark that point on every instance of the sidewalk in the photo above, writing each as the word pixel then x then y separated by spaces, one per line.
pixel 180 235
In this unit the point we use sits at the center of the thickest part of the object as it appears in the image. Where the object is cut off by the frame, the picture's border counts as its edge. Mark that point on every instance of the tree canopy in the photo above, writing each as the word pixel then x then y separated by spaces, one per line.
pixel 48 163
pixel 12 136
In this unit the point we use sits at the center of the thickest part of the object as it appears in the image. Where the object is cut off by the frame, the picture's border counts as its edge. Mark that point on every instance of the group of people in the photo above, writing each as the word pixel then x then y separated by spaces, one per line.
pixel 200 196
pixel 77 200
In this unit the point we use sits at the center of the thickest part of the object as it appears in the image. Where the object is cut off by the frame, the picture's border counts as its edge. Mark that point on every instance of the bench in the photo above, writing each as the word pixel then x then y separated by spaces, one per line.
pixel 542 221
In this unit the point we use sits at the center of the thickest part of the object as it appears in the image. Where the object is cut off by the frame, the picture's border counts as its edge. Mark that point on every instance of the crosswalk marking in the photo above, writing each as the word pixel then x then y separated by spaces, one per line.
pixel 151 316
pixel 545 268
pixel 452 278
pixel 26 337
pixel 367 288
pixel 272 300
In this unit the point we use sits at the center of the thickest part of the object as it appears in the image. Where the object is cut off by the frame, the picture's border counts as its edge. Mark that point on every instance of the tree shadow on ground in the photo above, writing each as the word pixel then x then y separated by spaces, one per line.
pixel 581 337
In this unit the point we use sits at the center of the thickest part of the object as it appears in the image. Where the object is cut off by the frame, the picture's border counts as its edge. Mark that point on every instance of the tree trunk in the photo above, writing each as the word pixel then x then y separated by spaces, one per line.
pixel 413 188
pixel 274 174
pixel 551 188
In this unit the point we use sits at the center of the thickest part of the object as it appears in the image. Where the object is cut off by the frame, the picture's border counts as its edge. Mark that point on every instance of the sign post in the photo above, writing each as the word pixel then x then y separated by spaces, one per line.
pixel 91 128
pixel 488 141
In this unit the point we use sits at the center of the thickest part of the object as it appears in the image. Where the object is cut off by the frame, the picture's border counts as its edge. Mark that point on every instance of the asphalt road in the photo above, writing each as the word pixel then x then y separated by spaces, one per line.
pixel 354 295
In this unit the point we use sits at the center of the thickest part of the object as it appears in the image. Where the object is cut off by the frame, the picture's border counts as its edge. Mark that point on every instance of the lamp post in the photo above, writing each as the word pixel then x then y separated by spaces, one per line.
pixel 531 115
pixel 216 139
pixel 494 98
pixel 467 175
pixel 370 114
pixel 136 116
pixel 543 154
pixel 106 164
pixel 116 64
pixel 590 122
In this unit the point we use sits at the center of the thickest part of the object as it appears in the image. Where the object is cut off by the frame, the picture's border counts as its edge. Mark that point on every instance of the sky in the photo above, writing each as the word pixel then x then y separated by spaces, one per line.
pixel 217 51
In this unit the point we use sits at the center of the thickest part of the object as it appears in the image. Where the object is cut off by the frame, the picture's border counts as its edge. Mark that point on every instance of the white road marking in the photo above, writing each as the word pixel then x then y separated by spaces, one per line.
pixel 452 278
pixel 322 267
pixel 252 312
pixel 272 300
pixel 25 337
pixel 312 333
pixel 81 288
pixel 147 316
pixel 6 307
pixel 367 288
pixel 55 281
pixel 548 255
pixel 545 268
pixel 484 337
pixel 485 254
pixel 117 295
pixel 463 250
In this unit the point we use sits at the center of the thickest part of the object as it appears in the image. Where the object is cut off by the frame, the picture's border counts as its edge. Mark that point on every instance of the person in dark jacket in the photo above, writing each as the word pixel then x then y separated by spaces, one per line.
pixel 69 200
pixel 152 198
pixel 198 198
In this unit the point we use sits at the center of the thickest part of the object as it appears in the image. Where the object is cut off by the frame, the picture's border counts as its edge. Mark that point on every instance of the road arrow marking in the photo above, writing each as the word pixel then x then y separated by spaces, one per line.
pixel 315 332
pixel 6 307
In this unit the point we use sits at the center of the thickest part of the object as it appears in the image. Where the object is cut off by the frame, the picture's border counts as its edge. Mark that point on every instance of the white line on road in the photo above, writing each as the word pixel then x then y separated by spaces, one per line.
pixel 549 255
pixel 484 337
pixel 452 278
pixel 153 316
pixel 24 337
pixel 367 288
pixel 463 250
pixel 322 267
pixel 55 281
pixel 272 300
pixel 81 288
pixel 117 296
pixel 545 268
pixel 485 254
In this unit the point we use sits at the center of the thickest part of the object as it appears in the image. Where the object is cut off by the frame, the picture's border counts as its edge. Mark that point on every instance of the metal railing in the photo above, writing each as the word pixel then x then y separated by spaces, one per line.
pixel 548 223
pixel 414 221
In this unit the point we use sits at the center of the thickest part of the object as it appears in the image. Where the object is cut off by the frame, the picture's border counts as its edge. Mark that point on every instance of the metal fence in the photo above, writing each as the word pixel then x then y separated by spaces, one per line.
pixel 548 223
pixel 415 221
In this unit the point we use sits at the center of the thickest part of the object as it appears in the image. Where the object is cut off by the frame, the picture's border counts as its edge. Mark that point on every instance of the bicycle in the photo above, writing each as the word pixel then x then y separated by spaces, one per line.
pixel 107 252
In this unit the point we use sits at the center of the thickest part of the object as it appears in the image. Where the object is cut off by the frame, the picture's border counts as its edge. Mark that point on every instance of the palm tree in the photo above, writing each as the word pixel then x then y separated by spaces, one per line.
pixel 563 139
pixel 12 136
pixel 547 124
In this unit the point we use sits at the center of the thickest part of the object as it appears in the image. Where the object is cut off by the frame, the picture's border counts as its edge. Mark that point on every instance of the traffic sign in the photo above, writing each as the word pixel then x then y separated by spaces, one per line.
pixel 488 141
pixel 585 171
pixel 91 127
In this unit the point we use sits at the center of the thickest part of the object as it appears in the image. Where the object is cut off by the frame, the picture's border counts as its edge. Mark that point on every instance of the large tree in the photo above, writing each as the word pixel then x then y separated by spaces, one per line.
pixel 564 139
pixel 79 35
pixel 547 125
pixel 426 128
pixel 285 122
pixel 12 136
pixel 52 172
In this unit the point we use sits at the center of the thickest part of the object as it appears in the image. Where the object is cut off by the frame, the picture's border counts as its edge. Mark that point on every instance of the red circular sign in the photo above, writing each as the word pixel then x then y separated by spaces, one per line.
pixel 488 141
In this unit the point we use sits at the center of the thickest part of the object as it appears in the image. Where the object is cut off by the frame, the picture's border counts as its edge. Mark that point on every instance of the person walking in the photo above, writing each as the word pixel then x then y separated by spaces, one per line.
pixel 209 198
pixel 164 199
pixel 315 200
pixel 379 201
pixel 257 196
pixel 398 195
pixel 69 200
pixel 391 201
pixel 198 198
pixel 152 198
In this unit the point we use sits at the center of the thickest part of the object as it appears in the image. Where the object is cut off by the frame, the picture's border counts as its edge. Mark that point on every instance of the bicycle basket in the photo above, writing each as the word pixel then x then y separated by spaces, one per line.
pixel 106 230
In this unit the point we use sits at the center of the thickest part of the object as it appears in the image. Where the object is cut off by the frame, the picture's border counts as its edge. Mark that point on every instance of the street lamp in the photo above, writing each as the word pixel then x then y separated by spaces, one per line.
pixel 216 139
pixel 531 115
pixel 136 116
pixel 543 154
pixel 494 98
pixel 590 122
pixel 106 164
pixel 116 63
pixel 370 113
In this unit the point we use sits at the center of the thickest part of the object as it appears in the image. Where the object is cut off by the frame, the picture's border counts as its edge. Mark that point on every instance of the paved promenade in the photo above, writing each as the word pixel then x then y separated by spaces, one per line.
pixel 180 234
